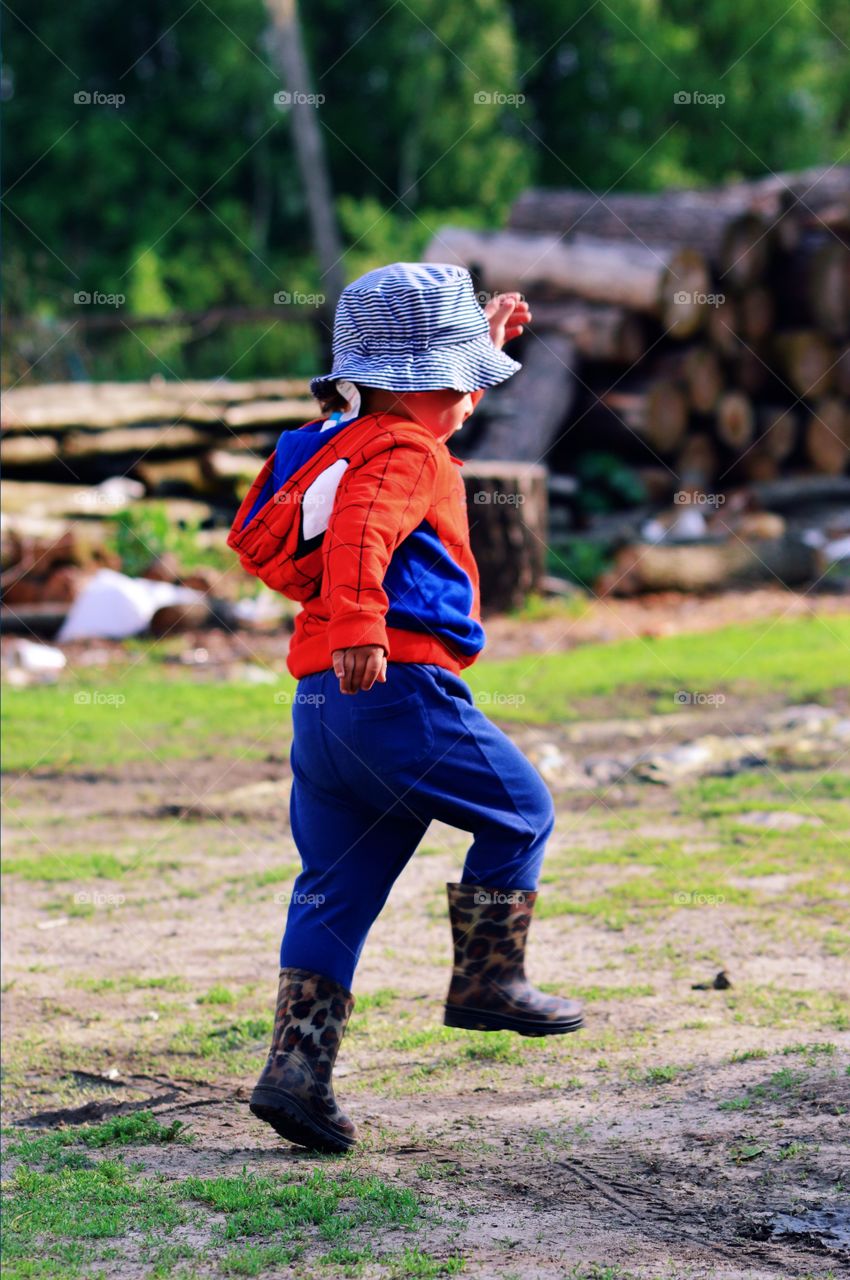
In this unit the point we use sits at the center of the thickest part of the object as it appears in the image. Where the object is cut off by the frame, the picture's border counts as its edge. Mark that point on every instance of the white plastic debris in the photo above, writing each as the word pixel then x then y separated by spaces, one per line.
pixel 251 673
pixel 689 523
pixel 112 606
pixel 654 531
pixel 115 492
pixel 264 607
pixel 42 661
pixel 838 549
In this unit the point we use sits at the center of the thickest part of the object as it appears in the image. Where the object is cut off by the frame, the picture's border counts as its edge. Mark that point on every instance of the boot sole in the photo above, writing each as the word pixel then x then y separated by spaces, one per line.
pixel 289 1120
pixel 483 1020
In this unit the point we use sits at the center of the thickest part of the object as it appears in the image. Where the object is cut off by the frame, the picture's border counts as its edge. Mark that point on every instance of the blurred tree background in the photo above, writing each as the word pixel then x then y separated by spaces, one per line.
pixel 187 195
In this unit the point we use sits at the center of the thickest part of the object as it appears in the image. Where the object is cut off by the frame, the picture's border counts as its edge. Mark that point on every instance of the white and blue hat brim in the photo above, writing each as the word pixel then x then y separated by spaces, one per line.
pixel 414 327
pixel 465 366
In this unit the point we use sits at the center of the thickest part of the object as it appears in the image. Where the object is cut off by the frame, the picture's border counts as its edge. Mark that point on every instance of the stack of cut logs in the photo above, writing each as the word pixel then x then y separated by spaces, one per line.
pixel 77 454
pixel 702 336
pixel 174 437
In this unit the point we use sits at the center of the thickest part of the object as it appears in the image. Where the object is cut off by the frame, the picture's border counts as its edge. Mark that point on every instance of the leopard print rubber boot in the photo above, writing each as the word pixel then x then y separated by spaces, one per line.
pixel 295 1092
pixel 489 990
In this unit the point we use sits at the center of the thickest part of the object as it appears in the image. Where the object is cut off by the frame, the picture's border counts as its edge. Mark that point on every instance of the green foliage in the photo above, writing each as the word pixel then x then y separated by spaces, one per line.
pixel 187 193
pixel 604 80
pixel 579 560
pixel 401 114
pixel 607 483
pixel 146 531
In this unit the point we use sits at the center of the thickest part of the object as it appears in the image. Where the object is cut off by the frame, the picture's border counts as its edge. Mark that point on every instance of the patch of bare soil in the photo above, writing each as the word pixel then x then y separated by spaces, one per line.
pixel 531 1184
pixel 685 1134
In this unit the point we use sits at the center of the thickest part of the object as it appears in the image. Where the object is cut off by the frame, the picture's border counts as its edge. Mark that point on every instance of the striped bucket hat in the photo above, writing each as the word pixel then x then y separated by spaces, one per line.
pixel 413 326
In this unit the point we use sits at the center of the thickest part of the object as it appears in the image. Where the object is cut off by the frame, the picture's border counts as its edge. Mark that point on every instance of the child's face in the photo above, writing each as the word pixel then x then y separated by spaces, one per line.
pixel 441 412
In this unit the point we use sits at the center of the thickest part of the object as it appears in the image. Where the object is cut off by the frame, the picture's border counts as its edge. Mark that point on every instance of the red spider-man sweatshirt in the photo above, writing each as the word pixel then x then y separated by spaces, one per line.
pixel 365 523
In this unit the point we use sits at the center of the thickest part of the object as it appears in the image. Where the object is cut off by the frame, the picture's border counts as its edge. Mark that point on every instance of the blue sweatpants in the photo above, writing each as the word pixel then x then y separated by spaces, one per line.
pixel 371 770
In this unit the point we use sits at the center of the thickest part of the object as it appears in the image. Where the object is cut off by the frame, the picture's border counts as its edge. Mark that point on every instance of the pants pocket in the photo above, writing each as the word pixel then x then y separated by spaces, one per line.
pixel 392 736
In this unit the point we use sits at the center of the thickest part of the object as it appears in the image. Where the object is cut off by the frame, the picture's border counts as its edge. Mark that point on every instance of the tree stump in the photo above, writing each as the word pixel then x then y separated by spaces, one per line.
pixel 508 526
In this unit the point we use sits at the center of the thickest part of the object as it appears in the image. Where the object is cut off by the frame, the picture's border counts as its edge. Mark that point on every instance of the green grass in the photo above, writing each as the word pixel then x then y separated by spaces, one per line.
pixel 380 999
pixel 757 1006
pixel 138 1128
pixel 781 1084
pixel 804 658
pixel 161 718
pixel 253 1259
pixel 42 1207
pixel 749 1055
pixel 218 995
pixel 58 865
pixel 416 1264
pixel 222 1040
pixel 752 789
pixel 129 982
pixel 166 716
pixel 811 1051
pixel 598 994
pixel 254 1205
pixel 253 1223
pixel 718 872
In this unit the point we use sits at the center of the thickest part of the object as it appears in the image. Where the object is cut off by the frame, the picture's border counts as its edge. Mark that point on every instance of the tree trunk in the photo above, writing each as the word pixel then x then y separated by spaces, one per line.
pixel 808 361
pixel 671 284
pixel 842 373
pixel 704 379
pixel 135 440
pixel 177 475
pixel 827 437
pixel 27 450
pixel 523 420
pixel 697 464
pixel 813 285
pixel 105 405
pixel 754 466
pixel 757 313
pixel 829 287
pixel 658 413
pixel 507 507
pixel 711 566
pixel 777 432
pixel 599 332
pixel 735 421
pixel 786 203
pixel 726 232
pixel 722 326
pixel 309 147
pixel 752 372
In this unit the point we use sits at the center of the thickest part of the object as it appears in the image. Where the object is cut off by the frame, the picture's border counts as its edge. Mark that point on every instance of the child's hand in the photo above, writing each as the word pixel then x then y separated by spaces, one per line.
pixel 507 313
pixel 360 667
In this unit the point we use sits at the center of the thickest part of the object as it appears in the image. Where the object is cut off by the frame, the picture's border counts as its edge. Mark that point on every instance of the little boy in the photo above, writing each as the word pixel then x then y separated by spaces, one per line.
pixel 362 517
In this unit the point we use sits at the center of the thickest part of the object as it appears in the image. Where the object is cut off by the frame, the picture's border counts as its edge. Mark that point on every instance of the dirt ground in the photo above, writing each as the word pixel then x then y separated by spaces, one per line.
pixel 687 1132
